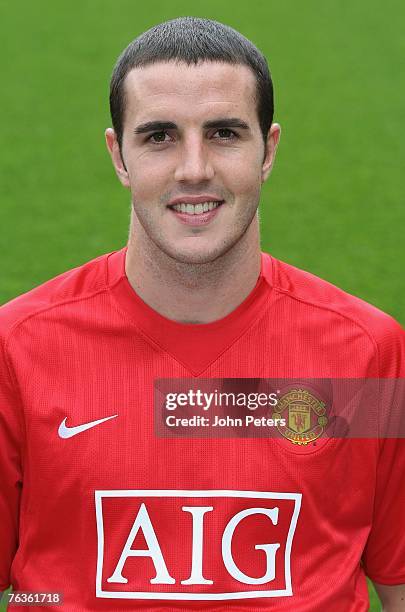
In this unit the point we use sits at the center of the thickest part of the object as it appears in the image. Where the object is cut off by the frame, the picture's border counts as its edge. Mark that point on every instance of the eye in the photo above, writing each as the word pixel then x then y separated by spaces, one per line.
pixel 225 134
pixel 159 137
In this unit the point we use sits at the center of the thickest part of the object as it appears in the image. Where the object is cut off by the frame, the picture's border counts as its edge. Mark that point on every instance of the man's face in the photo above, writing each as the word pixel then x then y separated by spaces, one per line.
pixel 194 156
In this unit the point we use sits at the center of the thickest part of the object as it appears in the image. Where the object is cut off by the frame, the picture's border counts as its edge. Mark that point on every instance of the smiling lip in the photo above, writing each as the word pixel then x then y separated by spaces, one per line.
pixel 196 218
pixel 196 199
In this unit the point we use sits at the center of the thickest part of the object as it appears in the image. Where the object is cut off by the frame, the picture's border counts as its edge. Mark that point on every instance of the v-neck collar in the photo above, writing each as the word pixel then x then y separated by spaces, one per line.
pixel 195 346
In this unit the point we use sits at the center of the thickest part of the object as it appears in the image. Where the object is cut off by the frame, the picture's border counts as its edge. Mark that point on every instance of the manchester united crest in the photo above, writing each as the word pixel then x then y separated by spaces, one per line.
pixel 304 416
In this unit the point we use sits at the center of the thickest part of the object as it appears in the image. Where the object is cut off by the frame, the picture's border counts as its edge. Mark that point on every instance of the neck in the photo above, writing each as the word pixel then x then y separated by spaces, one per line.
pixel 193 293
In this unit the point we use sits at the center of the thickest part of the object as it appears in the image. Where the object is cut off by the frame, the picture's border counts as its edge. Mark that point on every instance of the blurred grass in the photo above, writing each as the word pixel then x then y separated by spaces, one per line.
pixel 375 605
pixel 334 204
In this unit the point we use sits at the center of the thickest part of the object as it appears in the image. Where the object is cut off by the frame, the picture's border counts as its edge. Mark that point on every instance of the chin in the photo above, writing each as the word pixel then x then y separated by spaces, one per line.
pixel 198 257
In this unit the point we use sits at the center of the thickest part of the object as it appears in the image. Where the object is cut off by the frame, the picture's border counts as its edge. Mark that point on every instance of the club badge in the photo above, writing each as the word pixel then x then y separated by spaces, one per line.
pixel 304 415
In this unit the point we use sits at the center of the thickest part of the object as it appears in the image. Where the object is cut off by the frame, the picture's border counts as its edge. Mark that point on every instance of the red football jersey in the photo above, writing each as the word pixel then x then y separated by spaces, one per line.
pixel 96 506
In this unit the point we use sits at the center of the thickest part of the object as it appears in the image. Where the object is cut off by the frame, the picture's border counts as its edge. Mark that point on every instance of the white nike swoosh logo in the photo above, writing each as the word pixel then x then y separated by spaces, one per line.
pixel 68 432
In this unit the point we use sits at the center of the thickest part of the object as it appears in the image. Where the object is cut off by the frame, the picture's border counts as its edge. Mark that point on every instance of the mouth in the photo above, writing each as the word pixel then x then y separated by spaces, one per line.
pixel 196 213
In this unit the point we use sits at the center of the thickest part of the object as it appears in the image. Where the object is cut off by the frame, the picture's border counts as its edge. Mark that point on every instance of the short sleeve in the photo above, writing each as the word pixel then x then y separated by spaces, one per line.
pixel 10 471
pixel 384 555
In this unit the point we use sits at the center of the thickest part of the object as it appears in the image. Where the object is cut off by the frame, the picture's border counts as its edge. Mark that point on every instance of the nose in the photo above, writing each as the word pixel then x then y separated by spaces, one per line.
pixel 194 164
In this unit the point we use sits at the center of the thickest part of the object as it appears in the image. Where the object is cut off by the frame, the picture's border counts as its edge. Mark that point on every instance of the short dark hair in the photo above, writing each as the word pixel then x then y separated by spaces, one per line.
pixel 191 40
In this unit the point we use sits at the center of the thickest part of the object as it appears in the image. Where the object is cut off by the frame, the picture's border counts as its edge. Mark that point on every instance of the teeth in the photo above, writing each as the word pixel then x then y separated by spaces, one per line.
pixel 195 209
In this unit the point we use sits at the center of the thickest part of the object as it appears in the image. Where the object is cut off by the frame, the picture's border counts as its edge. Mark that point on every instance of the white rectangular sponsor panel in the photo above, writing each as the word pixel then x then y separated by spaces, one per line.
pixel 194 545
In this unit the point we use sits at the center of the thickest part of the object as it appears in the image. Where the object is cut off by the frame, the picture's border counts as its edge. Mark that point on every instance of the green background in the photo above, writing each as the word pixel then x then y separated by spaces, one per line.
pixel 334 203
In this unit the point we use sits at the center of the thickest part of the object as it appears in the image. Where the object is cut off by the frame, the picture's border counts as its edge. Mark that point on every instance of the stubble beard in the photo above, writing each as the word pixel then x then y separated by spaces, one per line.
pixel 193 268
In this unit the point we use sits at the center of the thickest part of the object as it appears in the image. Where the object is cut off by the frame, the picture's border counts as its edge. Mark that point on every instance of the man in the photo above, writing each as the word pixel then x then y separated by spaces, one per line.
pixel 96 505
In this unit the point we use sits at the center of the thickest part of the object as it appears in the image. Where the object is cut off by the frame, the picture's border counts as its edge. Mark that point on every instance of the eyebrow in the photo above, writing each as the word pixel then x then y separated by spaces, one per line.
pixel 226 123
pixel 159 126
pixel 154 126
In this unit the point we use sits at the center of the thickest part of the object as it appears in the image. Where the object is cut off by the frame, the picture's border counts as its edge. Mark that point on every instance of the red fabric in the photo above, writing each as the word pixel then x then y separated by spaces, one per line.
pixel 85 347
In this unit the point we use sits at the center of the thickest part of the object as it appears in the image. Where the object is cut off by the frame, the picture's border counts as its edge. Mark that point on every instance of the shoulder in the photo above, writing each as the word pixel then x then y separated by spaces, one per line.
pixel 339 309
pixel 71 287
pixel 303 286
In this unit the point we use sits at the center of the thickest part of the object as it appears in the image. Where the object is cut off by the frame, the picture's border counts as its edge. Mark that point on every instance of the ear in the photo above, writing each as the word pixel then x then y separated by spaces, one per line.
pixel 114 149
pixel 273 138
